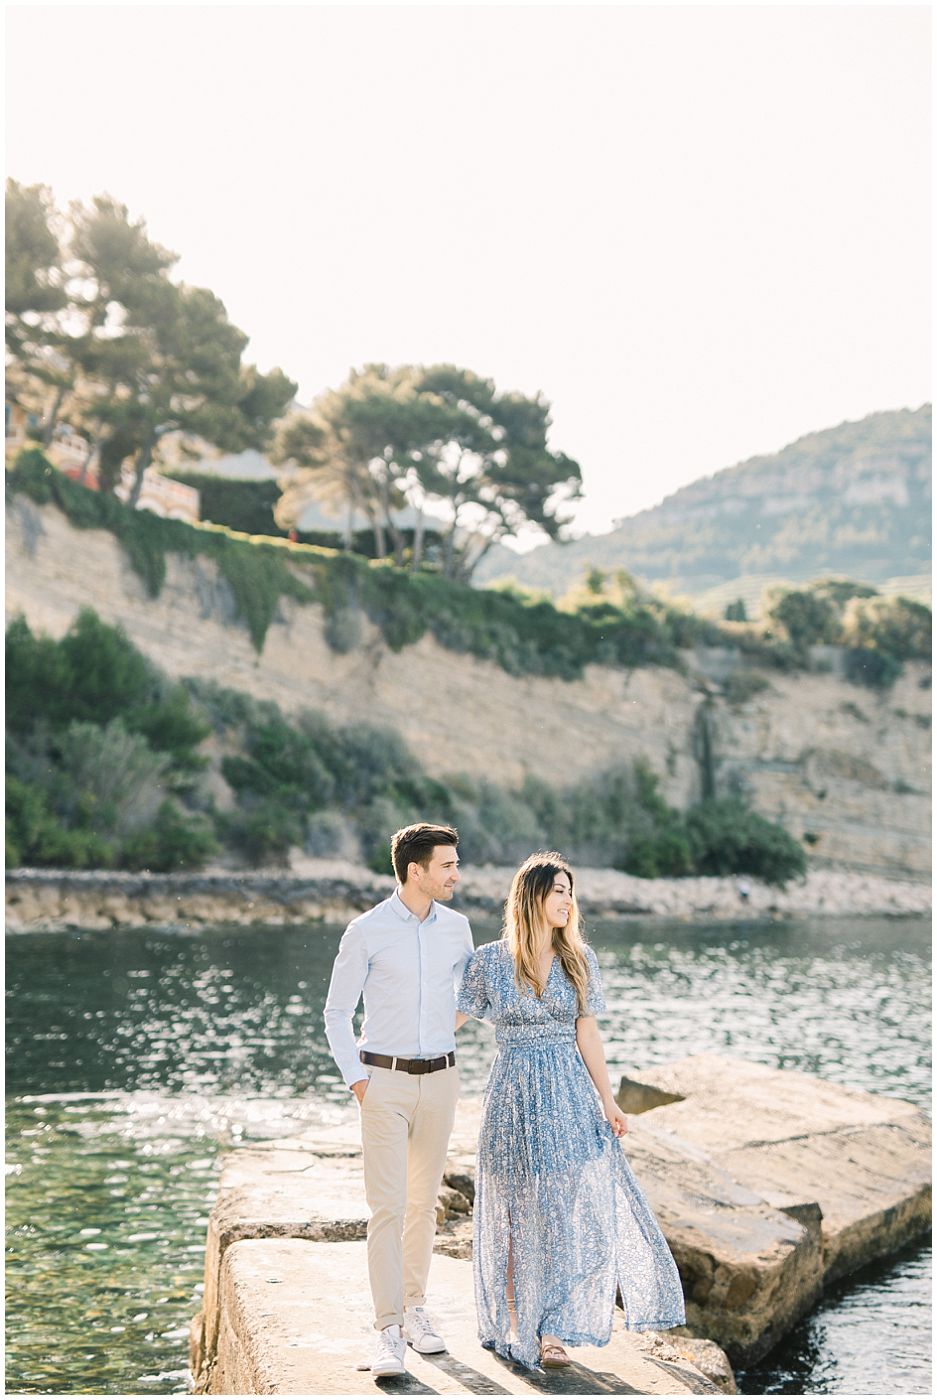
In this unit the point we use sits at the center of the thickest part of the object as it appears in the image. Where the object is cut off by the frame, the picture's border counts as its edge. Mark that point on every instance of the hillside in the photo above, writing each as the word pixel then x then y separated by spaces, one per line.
pixel 852 501
pixel 842 767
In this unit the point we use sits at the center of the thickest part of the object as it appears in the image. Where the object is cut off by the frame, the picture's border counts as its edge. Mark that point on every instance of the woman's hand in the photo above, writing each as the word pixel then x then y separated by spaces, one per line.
pixel 618 1121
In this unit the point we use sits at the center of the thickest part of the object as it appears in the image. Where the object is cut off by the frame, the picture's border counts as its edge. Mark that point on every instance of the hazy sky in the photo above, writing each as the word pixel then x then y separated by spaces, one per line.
pixel 700 231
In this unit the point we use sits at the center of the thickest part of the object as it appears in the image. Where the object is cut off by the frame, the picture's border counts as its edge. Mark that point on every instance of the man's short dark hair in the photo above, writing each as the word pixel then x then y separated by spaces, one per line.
pixel 417 843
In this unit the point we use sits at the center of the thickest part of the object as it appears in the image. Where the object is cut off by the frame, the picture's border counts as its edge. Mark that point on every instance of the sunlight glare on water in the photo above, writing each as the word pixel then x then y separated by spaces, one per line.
pixel 137 1058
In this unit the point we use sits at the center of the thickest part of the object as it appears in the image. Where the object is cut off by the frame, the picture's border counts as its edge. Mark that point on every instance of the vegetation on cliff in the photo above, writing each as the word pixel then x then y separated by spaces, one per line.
pixel 878 633
pixel 609 620
pixel 521 633
pixel 113 766
pixel 101 753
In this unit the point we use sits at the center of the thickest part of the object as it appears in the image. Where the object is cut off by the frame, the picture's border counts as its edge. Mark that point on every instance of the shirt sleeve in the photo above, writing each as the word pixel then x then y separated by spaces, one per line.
pixel 473 994
pixel 349 973
pixel 465 953
pixel 595 997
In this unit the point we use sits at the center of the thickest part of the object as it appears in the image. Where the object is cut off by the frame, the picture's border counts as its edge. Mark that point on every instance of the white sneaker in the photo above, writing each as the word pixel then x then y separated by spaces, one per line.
pixel 420 1332
pixel 389 1353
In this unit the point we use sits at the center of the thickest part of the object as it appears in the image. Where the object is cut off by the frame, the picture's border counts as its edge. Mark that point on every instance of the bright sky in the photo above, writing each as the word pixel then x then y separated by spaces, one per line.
pixel 700 231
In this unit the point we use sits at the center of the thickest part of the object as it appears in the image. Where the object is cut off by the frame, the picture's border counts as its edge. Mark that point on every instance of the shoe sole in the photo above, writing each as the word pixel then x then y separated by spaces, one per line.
pixel 400 1370
pixel 427 1351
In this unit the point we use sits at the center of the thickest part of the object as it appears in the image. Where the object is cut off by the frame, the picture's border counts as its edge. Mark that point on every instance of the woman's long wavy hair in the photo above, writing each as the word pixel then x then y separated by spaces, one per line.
pixel 525 924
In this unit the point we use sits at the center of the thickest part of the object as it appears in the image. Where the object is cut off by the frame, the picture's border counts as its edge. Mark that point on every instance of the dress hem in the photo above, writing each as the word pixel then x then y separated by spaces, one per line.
pixel 509 1352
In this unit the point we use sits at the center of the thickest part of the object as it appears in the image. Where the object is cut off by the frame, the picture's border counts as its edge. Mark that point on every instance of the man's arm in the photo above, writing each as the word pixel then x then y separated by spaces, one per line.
pixel 349 973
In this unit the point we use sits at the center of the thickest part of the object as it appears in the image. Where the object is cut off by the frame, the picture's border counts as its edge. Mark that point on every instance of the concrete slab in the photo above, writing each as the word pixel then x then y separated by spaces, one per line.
pixel 768 1185
pixel 295 1321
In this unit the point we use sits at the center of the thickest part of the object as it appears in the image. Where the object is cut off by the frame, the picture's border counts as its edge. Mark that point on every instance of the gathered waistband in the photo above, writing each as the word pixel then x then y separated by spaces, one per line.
pixel 535 1038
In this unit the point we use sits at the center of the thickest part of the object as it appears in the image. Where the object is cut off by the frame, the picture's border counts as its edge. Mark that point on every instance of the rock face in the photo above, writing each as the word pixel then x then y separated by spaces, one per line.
pixel 845 766
pixel 768 1184
pixel 334 892
pixel 849 1168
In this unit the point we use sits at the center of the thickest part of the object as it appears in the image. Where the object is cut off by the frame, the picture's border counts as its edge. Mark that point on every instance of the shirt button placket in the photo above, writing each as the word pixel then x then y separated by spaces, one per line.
pixel 424 999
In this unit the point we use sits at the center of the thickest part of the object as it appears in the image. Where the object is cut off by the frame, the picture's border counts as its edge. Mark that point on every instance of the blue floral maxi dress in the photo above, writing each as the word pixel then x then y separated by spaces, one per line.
pixel 553 1180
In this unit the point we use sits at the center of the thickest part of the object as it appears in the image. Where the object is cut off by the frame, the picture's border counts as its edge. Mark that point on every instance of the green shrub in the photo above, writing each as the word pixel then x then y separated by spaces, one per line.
pixel 876 669
pixel 376 824
pixel 897 627
pixel 106 780
pixel 171 726
pixel 37 679
pixel 35 836
pixel 262 832
pixel 283 761
pixel 666 852
pixel 96 738
pixel 496 827
pixel 96 674
pixel 330 833
pixel 728 839
pixel 343 629
pixel 175 841
pixel 807 618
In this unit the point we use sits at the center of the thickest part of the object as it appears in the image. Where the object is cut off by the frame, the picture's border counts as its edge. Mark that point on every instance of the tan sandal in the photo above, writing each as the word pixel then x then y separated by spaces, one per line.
pixel 552 1356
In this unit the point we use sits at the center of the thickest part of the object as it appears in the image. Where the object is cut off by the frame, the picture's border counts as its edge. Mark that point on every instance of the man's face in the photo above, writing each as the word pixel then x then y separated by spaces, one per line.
pixel 440 876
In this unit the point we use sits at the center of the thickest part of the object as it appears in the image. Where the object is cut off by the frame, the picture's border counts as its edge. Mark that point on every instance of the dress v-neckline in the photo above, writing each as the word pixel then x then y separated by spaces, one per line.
pixel 546 980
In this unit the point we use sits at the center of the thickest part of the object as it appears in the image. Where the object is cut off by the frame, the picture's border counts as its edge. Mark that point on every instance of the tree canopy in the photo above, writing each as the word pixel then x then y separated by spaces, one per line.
pixel 97 329
pixel 440 440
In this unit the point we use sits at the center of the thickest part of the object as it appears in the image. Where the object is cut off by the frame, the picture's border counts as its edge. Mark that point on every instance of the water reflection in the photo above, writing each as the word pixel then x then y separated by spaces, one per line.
pixel 135 1058
pixel 847 1344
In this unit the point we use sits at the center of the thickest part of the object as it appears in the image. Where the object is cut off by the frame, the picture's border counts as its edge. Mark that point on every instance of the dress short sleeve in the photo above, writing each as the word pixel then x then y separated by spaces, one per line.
pixel 473 994
pixel 595 998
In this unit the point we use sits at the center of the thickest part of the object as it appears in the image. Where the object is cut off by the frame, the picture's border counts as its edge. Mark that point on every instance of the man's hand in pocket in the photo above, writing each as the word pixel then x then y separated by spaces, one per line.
pixel 358 1089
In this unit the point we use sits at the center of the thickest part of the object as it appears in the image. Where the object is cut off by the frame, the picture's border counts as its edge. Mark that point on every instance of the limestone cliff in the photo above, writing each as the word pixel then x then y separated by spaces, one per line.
pixel 845 767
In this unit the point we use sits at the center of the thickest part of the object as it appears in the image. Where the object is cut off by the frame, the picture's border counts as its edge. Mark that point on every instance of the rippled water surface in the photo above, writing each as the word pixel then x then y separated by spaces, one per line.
pixel 136 1058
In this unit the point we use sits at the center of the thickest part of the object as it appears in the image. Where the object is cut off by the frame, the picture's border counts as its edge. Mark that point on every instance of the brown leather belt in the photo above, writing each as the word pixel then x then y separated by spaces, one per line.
pixel 408 1066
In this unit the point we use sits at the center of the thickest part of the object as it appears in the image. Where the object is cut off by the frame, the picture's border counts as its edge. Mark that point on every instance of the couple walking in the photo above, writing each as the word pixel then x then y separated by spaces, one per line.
pixel 560 1223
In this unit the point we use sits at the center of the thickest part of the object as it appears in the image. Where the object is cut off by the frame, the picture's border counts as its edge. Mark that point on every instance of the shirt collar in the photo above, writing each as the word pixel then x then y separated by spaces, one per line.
pixel 402 912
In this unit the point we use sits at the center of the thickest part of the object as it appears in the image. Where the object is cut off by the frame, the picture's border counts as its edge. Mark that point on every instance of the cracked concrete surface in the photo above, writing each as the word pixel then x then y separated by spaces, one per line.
pixel 760 1219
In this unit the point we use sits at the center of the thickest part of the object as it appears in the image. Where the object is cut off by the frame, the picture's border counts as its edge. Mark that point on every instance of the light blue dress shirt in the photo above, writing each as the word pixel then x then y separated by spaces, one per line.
pixel 409 972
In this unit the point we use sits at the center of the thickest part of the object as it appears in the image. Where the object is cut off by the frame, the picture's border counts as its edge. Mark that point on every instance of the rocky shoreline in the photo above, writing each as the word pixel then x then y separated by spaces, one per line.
pixel 333 891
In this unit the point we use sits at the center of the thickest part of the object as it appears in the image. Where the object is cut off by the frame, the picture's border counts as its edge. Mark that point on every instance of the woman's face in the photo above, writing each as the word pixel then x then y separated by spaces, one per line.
pixel 558 903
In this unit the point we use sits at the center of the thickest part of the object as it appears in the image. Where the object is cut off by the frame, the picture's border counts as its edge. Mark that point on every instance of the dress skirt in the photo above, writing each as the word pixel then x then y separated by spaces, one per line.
pixel 554 1186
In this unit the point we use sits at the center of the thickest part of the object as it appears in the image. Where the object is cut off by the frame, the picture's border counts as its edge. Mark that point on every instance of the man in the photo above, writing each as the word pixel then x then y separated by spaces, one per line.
pixel 407 956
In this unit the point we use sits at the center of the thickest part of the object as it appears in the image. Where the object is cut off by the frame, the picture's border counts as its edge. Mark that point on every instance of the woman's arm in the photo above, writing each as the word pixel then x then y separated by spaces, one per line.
pixel 460 1019
pixel 590 1048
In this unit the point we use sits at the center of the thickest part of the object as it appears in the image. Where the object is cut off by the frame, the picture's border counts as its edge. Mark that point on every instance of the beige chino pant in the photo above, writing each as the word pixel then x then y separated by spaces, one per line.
pixel 406 1122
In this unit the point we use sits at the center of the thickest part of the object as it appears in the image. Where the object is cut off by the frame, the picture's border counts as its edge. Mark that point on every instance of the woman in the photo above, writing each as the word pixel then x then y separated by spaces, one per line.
pixel 560 1222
